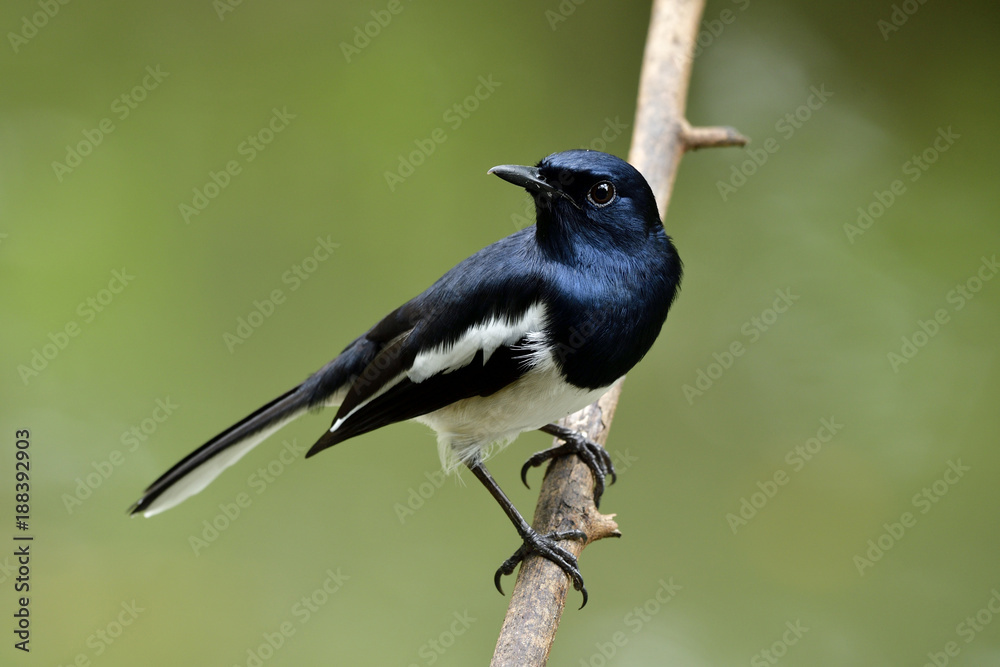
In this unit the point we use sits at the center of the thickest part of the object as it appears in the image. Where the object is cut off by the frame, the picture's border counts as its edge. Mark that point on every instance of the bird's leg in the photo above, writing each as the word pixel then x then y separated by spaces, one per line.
pixel 533 541
pixel 591 453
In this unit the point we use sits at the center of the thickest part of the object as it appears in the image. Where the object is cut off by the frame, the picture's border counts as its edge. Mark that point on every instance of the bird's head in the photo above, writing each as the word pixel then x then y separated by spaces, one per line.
pixel 583 194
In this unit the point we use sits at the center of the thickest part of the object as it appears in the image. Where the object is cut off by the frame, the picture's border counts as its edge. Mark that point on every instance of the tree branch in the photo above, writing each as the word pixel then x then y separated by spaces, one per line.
pixel 661 137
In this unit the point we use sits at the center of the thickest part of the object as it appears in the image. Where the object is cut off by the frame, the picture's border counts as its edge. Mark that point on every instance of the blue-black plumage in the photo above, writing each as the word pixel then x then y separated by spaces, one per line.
pixel 516 336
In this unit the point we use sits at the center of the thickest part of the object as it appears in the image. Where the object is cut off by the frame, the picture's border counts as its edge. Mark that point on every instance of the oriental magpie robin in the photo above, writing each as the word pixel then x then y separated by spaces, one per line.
pixel 520 334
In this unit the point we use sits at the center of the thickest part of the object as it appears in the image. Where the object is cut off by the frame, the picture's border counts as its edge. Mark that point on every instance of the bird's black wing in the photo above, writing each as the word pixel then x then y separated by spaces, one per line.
pixel 465 336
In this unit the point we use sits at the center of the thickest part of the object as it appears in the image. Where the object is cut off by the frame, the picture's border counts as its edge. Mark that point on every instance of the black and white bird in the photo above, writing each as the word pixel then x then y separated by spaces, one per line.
pixel 522 333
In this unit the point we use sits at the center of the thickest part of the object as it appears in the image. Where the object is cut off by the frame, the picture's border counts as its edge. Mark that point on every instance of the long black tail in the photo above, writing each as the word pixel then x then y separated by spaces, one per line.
pixel 196 470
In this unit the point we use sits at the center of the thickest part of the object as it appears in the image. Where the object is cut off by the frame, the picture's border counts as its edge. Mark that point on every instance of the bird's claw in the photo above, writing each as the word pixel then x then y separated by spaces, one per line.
pixel 546 547
pixel 596 457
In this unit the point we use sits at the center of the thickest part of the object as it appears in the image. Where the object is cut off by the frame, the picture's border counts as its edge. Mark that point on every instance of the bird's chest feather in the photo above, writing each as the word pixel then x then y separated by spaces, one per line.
pixel 599 328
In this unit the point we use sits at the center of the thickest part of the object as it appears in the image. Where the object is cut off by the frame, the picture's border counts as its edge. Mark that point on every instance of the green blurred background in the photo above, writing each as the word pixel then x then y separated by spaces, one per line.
pixel 414 587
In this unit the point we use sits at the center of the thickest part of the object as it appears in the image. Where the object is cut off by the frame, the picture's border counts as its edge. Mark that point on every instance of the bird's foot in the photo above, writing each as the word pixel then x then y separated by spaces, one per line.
pixel 546 547
pixel 591 453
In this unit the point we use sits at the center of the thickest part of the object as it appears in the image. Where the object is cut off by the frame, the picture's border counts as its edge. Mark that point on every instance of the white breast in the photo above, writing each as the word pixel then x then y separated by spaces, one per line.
pixel 478 427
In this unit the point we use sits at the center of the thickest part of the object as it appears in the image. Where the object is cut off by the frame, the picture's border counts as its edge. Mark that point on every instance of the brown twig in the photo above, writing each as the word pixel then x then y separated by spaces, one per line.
pixel 710 137
pixel 661 137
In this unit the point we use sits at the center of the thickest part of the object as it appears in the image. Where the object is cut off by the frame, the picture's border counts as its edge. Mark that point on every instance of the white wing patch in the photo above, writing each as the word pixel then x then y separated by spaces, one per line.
pixel 534 352
pixel 486 336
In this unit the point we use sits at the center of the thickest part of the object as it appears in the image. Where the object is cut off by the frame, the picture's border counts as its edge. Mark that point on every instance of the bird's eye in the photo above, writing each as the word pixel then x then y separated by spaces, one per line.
pixel 602 193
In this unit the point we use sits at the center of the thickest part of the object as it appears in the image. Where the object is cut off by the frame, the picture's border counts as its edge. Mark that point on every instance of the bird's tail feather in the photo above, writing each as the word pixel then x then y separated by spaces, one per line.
pixel 196 470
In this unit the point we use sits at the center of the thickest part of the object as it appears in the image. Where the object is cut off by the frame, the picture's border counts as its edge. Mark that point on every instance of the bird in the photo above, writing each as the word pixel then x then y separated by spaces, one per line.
pixel 520 334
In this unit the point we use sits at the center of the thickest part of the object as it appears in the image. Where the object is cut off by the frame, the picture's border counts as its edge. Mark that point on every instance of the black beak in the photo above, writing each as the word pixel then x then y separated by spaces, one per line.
pixel 527 177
